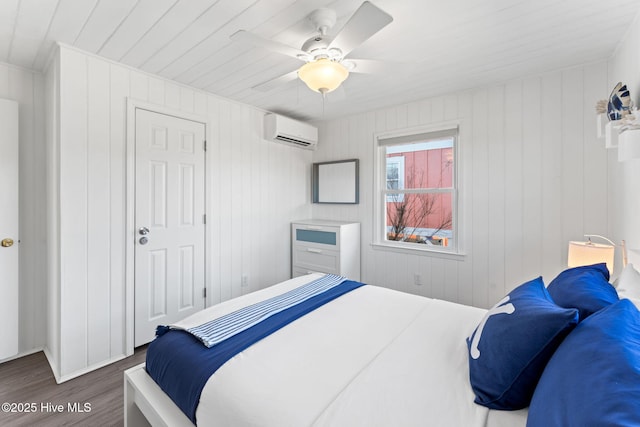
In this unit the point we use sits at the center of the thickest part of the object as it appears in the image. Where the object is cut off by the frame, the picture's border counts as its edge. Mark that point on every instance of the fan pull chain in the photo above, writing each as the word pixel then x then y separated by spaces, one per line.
pixel 323 99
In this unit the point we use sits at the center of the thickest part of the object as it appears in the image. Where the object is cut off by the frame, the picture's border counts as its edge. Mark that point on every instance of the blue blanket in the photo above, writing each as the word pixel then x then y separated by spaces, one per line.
pixel 181 364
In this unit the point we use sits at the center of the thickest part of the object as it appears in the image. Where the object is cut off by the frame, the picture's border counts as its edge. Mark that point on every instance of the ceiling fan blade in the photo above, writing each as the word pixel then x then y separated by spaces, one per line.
pixel 250 38
pixel 366 66
pixel 278 81
pixel 365 22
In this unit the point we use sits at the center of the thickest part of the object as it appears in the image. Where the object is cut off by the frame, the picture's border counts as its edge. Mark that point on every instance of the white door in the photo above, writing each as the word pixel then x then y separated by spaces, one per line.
pixel 9 298
pixel 169 218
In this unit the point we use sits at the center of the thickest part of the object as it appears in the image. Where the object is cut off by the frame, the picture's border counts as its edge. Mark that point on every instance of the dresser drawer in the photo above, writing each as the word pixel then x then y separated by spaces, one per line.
pixel 314 259
pixel 317 236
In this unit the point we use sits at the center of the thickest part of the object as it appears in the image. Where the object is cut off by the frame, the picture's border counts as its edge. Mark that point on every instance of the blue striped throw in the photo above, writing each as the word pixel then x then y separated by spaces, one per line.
pixel 218 330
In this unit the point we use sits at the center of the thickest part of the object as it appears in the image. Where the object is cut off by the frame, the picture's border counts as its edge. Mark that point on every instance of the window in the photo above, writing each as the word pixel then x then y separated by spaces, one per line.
pixel 395 175
pixel 417 194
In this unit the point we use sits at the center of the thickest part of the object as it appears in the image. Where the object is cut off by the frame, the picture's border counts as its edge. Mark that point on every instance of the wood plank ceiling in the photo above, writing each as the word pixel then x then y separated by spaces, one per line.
pixel 432 46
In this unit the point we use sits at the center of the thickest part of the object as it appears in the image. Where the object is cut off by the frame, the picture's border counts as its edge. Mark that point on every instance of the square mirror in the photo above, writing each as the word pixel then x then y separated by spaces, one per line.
pixel 336 182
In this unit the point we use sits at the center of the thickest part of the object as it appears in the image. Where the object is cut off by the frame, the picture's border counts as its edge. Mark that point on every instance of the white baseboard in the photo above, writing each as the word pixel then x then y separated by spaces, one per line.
pixel 88 369
pixel 52 364
pixel 23 354
pixel 63 378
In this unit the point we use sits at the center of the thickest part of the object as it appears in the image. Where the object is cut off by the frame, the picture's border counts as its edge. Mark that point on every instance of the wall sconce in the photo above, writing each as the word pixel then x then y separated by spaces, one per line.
pixel 588 253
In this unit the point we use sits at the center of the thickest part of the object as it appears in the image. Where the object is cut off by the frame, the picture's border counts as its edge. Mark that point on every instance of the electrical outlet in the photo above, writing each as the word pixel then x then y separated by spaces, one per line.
pixel 245 281
pixel 417 279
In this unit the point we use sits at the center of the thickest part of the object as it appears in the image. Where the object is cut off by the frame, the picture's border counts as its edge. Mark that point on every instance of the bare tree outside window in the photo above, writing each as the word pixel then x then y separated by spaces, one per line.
pixel 411 211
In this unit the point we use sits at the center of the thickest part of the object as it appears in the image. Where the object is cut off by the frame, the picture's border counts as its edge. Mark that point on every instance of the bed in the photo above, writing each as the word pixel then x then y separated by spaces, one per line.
pixel 371 356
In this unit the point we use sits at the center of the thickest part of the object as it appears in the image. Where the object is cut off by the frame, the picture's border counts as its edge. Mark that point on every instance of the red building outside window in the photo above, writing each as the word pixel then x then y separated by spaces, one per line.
pixel 419 192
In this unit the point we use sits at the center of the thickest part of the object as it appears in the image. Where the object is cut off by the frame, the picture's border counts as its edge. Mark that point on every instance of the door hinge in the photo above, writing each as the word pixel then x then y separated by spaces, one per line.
pixel 204 218
pixel 204 293
pixel 205 145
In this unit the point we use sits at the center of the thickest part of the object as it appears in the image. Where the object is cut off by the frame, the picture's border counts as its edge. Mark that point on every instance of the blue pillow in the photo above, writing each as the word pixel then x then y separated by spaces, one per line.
pixel 593 379
pixel 512 344
pixel 586 288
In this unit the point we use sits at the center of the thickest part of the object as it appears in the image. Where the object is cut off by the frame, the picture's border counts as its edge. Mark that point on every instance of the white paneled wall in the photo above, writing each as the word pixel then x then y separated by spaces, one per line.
pixel 625 176
pixel 27 88
pixel 255 188
pixel 532 177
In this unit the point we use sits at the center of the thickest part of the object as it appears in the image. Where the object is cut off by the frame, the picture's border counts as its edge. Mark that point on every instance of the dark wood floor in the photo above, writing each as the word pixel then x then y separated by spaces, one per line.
pixel 29 381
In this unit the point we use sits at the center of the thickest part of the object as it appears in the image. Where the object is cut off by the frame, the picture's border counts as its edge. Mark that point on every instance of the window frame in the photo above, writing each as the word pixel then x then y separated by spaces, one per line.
pixel 406 136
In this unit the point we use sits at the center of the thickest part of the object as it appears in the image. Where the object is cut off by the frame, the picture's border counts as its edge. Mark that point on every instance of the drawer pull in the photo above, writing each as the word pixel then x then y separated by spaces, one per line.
pixel 315 251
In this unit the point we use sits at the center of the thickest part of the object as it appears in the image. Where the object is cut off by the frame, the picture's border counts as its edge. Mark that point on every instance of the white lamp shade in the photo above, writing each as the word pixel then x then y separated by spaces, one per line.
pixel 587 253
pixel 323 75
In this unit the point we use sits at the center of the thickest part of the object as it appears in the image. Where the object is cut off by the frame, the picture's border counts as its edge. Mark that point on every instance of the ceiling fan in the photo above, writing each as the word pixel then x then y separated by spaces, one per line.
pixel 326 65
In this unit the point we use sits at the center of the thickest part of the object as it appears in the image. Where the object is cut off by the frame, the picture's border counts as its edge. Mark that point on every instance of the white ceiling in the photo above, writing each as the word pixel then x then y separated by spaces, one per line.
pixel 431 47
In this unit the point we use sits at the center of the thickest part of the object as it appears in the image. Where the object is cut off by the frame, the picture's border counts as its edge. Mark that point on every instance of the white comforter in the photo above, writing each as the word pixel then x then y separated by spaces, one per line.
pixel 373 357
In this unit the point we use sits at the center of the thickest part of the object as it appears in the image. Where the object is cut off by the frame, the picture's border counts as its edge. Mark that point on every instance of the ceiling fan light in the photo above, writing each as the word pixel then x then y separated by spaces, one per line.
pixel 323 75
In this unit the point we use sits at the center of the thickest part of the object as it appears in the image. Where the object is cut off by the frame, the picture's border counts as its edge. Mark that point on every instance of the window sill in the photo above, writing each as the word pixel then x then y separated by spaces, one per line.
pixel 457 256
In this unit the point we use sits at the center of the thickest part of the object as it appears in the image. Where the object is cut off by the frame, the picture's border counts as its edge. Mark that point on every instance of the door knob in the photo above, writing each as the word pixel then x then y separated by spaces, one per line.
pixel 6 243
pixel 143 231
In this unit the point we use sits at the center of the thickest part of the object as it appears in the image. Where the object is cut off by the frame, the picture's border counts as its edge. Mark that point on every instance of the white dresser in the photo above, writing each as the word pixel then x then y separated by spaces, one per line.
pixel 325 246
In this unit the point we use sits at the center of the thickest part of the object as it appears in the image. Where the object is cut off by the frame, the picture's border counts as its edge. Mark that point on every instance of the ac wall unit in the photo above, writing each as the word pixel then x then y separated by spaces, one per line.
pixel 288 131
